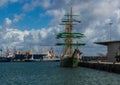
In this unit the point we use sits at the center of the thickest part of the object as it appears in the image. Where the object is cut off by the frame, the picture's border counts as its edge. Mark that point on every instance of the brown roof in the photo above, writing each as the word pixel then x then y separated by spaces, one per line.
pixel 106 42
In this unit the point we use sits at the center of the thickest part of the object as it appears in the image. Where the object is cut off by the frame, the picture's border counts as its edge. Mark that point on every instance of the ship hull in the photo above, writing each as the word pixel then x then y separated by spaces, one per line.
pixel 69 62
pixel 6 59
pixel 30 60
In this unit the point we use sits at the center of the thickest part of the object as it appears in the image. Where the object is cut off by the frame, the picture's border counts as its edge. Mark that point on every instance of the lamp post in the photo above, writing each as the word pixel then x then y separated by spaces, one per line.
pixel 110 30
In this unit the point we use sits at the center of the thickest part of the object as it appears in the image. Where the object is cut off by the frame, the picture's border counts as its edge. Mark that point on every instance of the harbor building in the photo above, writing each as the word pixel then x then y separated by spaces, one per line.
pixel 113 47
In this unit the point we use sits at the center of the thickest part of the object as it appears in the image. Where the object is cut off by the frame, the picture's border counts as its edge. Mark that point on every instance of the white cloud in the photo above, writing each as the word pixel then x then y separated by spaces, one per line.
pixel 46 3
pixel 31 6
pixel 8 21
pixel 95 16
pixel 13 0
pixel 13 37
pixel 89 32
pixel 117 14
pixel 18 17
pixel 5 2
pixel 67 1
pixel 14 33
pixel 43 33
pixel 105 8
pixel 118 30
pixel 57 14
pixel 34 4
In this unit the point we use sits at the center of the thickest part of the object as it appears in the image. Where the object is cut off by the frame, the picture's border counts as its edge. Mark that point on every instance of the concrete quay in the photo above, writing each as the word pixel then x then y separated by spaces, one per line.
pixel 113 67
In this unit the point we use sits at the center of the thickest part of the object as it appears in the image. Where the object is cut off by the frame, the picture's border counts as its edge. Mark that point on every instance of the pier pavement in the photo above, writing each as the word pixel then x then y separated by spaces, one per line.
pixel 105 66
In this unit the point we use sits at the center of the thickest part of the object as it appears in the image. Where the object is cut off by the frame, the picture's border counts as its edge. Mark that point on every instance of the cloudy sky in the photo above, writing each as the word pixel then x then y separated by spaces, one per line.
pixel 32 23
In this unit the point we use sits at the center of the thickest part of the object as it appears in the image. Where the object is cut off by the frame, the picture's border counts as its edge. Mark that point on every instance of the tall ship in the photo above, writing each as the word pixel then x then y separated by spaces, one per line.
pixel 70 57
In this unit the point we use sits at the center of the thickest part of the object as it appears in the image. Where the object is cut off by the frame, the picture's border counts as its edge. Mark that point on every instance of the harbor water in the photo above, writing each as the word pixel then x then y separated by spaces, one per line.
pixel 50 73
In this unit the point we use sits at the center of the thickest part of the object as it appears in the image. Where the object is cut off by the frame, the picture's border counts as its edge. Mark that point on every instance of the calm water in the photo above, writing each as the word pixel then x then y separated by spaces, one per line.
pixel 49 73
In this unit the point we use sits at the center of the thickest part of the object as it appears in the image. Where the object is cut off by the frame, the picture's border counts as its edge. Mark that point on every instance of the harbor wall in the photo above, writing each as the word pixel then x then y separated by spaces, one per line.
pixel 105 66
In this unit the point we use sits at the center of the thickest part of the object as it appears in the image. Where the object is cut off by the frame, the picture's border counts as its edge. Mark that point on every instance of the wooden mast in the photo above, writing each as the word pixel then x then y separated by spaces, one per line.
pixel 68 29
pixel 66 39
pixel 70 21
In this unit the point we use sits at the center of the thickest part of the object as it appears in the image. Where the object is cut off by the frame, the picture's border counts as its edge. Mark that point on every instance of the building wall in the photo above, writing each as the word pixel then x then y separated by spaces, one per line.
pixel 112 50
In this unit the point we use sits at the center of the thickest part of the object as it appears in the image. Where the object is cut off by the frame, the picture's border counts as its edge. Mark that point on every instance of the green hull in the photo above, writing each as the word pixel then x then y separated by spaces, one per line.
pixel 69 62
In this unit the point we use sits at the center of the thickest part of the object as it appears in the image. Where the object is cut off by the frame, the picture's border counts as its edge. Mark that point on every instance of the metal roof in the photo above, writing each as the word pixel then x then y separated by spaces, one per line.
pixel 106 42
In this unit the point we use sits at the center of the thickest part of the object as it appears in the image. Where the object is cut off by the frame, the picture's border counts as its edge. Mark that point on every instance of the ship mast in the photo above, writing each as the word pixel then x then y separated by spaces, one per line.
pixel 68 35
pixel 68 29
pixel 71 19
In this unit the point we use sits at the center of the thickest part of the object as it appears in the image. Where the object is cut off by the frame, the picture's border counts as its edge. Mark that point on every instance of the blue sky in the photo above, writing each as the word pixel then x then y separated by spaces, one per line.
pixel 25 23
pixel 35 17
